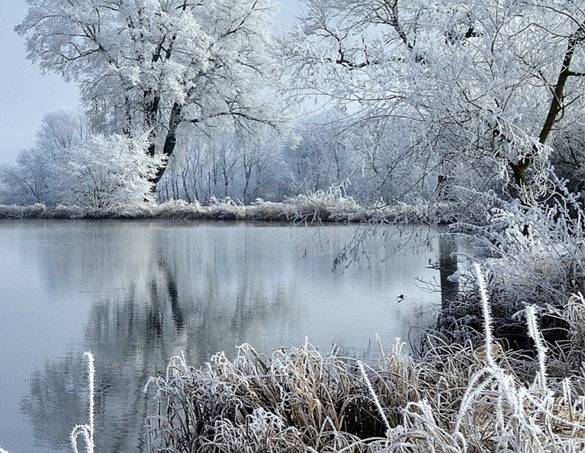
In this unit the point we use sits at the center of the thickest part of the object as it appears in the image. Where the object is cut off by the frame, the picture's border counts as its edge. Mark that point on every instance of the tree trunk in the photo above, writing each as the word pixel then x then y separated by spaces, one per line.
pixel 448 265
pixel 556 105
pixel 170 142
pixel 555 109
pixel 519 173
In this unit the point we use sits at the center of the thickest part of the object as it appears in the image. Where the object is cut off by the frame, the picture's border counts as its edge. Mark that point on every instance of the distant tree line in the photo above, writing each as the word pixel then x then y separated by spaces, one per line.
pixel 71 165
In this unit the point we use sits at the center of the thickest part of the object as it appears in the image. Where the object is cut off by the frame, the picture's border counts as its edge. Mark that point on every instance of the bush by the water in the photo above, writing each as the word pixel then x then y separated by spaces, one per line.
pixel 531 255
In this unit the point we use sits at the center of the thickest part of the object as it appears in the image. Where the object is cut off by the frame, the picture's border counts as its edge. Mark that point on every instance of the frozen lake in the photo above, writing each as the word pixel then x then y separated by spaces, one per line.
pixel 136 293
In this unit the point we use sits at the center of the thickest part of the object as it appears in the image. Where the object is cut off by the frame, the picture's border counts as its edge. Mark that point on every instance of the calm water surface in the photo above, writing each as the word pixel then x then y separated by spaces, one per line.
pixel 136 293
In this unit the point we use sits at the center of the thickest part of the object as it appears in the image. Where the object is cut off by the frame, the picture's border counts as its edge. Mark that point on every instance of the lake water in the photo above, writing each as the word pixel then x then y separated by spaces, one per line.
pixel 136 293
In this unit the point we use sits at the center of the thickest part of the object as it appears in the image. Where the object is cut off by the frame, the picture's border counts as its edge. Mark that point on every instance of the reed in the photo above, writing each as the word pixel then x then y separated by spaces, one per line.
pixel 541 349
pixel 309 400
pixel 375 398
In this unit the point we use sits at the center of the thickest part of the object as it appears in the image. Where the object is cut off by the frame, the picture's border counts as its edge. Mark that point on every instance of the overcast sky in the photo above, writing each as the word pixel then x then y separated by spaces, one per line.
pixel 26 94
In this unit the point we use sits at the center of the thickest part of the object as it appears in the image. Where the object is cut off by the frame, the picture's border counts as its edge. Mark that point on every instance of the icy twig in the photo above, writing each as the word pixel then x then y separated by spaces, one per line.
pixel 541 349
pixel 487 316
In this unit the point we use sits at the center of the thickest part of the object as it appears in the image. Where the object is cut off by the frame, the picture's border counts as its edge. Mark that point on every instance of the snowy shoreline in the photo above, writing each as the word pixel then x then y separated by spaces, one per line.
pixel 300 209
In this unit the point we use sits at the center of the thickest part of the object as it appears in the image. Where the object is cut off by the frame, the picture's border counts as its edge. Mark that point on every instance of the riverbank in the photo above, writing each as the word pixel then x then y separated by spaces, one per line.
pixel 305 208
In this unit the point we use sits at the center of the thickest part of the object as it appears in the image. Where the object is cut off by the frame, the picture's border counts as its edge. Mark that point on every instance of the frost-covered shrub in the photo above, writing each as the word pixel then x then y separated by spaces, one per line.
pixel 532 255
pixel 21 212
pixel 537 253
pixel 323 205
pixel 110 172
pixel 298 398
pixel 454 398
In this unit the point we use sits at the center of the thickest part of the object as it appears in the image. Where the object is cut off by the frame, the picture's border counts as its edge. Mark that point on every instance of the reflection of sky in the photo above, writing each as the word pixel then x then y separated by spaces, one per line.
pixel 350 307
pixel 34 324
pixel 106 286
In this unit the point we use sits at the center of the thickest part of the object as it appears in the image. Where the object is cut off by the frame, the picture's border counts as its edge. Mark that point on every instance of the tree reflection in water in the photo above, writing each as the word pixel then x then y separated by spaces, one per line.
pixel 156 311
pixel 448 265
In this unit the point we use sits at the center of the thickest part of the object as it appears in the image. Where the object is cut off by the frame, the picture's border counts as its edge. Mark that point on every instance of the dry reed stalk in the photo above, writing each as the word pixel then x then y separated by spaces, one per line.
pixel 500 413
pixel 310 400
pixel 574 314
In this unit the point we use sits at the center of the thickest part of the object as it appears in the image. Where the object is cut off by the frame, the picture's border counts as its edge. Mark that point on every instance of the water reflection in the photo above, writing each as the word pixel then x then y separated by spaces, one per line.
pixel 157 289
pixel 57 400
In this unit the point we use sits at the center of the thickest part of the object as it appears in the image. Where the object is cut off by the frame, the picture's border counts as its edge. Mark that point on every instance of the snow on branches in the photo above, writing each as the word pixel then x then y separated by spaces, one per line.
pixel 110 172
pixel 159 65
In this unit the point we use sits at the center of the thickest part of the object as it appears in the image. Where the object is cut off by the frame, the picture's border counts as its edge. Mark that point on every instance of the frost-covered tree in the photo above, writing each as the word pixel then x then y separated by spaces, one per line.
pixel 334 149
pixel 159 65
pixel 109 172
pixel 37 175
pixel 204 168
pixel 474 90
pixel 71 165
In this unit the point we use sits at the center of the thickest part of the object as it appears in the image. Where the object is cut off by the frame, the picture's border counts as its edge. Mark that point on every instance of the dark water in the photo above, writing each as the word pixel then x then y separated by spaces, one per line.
pixel 137 293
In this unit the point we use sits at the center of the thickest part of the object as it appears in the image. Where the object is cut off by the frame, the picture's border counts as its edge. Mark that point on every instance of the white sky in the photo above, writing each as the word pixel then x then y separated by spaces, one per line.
pixel 26 95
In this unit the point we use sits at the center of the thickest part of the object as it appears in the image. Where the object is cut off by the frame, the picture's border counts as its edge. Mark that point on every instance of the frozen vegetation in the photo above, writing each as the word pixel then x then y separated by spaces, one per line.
pixel 332 205
pixel 454 398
